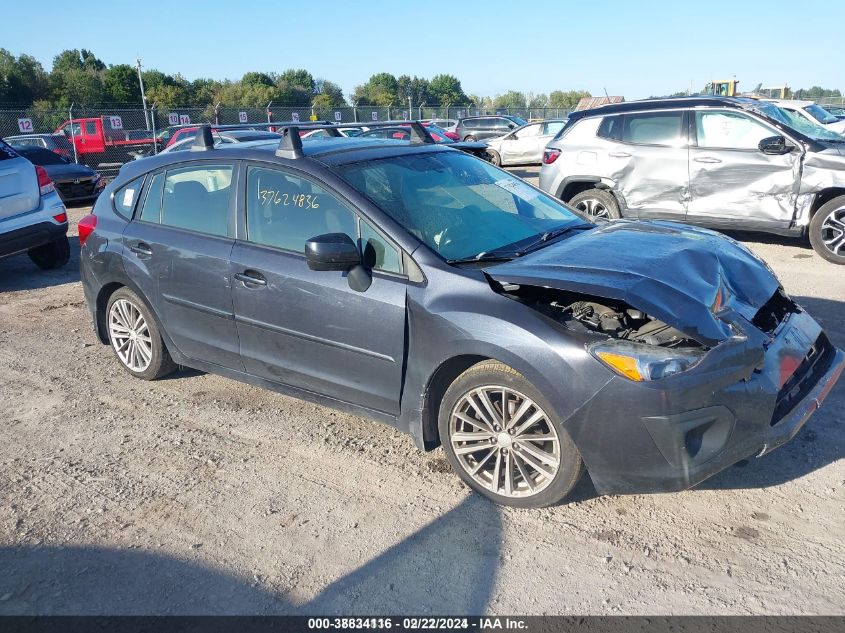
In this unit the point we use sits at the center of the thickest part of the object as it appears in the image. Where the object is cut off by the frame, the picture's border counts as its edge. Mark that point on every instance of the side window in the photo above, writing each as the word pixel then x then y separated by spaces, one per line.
pixel 196 198
pixel 377 252
pixel 653 128
pixel 90 127
pixel 729 130
pixel 285 210
pixel 552 127
pixel 610 128
pixel 151 210
pixel 126 197
pixel 529 131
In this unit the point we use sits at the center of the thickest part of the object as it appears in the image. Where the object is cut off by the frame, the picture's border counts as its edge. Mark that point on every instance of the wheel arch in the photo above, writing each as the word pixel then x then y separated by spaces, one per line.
pixel 825 196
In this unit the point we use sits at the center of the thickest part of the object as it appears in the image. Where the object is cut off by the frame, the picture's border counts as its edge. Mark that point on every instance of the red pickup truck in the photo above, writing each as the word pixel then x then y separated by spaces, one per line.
pixel 102 141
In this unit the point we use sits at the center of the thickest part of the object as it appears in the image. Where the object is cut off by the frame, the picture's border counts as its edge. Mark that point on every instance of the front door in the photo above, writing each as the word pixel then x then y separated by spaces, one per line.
pixel 522 145
pixel 731 179
pixel 306 328
pixel 177 251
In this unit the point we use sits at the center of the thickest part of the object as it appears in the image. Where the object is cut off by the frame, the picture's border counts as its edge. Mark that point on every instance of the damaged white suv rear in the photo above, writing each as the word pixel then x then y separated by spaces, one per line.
pixel 724 163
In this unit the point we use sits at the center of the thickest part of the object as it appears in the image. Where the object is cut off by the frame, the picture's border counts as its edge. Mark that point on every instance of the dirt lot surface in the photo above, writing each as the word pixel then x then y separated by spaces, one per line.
pixel 197 494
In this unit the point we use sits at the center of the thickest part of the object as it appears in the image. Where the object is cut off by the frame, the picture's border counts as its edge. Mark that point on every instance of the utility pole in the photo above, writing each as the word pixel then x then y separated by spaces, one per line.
pixel 143 96
pixel 410 108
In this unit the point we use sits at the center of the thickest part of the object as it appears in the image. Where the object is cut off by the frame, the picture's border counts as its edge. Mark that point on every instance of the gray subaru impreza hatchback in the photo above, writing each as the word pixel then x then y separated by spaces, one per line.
pixel 422 287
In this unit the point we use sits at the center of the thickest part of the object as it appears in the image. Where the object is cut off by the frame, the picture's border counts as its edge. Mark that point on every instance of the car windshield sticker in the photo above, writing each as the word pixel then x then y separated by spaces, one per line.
pixel 517 188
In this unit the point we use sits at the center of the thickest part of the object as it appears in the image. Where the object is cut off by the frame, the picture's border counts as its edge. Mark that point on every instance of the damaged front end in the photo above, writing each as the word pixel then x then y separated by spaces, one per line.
pixel 713 363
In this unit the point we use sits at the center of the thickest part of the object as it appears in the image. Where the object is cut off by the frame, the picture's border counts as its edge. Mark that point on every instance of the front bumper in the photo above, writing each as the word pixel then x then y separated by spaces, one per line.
pixel 753 395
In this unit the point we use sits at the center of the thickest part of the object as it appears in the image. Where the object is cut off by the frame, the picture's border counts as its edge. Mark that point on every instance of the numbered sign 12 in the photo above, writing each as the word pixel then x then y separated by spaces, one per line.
pixel 173 118
pixel 116 122
pixel 338 116
pixel 242 117
pixel 184 119
pixel 25 125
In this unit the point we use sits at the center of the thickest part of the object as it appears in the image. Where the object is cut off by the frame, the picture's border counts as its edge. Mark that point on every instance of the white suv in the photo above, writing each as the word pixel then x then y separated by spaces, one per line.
pixel 32 216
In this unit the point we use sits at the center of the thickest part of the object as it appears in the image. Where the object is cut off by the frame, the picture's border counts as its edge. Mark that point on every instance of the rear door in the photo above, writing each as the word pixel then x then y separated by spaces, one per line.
pixel 650 161
pixel 731 179
pixel 19 191
pixel 177 251
pixel 307 328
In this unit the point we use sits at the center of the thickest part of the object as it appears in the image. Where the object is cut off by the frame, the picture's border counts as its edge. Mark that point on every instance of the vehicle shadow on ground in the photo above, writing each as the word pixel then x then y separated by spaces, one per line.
pixel 448 566
pixel 771 238
pixel 20 273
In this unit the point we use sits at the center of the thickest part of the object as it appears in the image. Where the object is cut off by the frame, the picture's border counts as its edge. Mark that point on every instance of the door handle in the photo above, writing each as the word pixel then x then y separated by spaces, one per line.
pixel 251 277
pixel 706 159
pixel 141 248
pixel 619 155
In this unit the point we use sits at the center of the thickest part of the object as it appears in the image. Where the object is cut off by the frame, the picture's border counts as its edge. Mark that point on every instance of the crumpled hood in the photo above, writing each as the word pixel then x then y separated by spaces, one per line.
pixel 670 271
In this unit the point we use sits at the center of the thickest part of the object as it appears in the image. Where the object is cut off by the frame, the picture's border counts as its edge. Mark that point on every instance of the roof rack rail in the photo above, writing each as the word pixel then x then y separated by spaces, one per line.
pixel 204 140
pixel 291 144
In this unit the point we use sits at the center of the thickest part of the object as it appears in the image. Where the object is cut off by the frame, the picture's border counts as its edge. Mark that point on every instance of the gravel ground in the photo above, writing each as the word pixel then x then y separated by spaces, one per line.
pixel 197 494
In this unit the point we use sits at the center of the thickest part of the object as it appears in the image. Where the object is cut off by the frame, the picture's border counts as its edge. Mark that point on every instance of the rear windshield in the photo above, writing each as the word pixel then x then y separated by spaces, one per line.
pixel 6 152
pixel 40 156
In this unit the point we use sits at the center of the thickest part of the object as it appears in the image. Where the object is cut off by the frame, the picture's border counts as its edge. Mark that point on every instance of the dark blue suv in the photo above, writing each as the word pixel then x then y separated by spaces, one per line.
pixel 417 285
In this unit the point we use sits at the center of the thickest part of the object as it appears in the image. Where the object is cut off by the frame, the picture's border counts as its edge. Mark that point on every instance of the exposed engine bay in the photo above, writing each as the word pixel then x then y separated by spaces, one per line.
pixel 600 316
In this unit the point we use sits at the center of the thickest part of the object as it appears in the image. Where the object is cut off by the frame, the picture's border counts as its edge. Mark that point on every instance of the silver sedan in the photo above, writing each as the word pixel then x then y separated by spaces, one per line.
pixel 525 144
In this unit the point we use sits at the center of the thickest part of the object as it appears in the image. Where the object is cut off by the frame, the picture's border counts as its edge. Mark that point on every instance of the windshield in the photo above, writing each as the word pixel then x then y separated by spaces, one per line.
pixel 798 122
pixel 820 114
pixel 458 205
pixel 518 120
pixel 39 156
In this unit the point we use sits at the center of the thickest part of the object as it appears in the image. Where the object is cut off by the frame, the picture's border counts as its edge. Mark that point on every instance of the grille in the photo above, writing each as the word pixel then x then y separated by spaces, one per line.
pixel 812 368
pixel 773 312
pixel 84 189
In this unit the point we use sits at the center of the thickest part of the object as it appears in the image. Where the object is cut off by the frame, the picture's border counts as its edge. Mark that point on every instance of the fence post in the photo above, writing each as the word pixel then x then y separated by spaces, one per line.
pixel 72 135
pixel 153 120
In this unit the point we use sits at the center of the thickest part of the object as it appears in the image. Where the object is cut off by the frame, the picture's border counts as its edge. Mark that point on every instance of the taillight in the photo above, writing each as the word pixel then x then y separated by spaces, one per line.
pixel 61 218
pixel 550 156
pixel 86 226
pixel 45 185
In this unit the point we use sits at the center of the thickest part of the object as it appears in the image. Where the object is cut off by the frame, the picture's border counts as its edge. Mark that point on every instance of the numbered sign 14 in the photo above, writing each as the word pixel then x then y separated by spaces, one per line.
pixel 184 119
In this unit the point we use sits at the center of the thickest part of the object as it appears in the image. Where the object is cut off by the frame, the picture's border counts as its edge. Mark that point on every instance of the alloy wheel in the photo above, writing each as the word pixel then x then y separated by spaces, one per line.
pixel 593 207
pixel 130 335
pixel 504 441
pixel 833 231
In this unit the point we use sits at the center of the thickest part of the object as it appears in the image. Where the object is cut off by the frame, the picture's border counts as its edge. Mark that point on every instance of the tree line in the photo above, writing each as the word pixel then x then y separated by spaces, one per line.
pixel 79 76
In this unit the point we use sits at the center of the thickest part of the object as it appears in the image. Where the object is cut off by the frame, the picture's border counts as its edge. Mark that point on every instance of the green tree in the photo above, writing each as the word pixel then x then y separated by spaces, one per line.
pixel 382 89
pixel 328 93
pixel 22 79
pixel 417 88
pixel 816 92
pixel 566 99
pixel 446 89
pixel 296 87
pixel 536 100
pixel 120 84
pixel 202 91
pixel 511 99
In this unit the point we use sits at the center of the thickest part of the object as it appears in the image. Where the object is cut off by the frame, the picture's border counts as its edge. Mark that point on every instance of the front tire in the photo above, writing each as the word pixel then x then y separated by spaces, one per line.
pixel 470 139
pixel 827 231
pixel 598 203
pixel 504 441
pixel 135 338
pixel 495 157
pixel 52 255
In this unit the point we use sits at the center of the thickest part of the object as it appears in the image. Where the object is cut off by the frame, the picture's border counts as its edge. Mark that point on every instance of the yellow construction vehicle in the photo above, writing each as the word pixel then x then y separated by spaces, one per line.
pixel 722 88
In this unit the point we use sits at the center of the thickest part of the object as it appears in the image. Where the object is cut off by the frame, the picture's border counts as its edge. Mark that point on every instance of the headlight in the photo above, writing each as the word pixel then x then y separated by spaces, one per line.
pixel 644 362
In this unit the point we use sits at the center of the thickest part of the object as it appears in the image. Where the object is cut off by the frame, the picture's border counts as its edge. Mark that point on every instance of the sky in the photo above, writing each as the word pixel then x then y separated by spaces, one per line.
pixel 631 48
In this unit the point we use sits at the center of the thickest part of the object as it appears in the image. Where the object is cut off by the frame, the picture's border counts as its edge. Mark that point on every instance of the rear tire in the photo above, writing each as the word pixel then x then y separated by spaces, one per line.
pixel 135 338
pixel 470 139
pixel 523 458
pixel 827 231
pixel 598 203
pixel 52 255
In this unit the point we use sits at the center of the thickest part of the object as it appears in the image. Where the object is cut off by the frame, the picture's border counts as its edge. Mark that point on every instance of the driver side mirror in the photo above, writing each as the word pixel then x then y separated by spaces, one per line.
pixel 332 251
pixel 774 145
pixel 511 126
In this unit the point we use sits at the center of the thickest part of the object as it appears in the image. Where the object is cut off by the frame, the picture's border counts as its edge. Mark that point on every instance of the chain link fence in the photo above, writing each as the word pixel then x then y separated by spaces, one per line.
pixel 104 138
